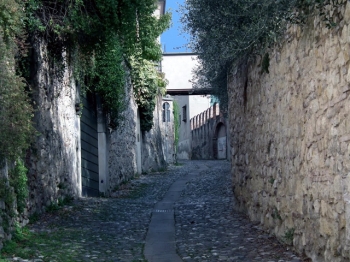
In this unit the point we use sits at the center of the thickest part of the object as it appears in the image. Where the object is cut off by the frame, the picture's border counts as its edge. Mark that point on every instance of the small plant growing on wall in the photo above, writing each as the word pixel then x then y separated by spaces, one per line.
pixel 275 214
pixel 18 180
pixel 289 235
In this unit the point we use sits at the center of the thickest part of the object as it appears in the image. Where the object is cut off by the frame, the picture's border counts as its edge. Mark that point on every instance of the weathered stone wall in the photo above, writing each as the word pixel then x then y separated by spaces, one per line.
pixel 152 143
pixel 122 150
pixel 54 159
pixel 204 131
pixel 290 139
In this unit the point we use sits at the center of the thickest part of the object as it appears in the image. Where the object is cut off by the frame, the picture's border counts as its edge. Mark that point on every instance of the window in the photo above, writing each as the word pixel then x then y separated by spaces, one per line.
pixel 184 113
pixel 166 112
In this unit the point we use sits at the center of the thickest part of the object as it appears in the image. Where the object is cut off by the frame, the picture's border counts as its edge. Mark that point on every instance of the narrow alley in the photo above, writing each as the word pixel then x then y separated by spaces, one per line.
pixel 184 214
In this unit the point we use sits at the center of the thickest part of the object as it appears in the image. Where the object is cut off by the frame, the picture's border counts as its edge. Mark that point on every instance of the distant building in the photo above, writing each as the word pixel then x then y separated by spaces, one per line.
pixel 178 69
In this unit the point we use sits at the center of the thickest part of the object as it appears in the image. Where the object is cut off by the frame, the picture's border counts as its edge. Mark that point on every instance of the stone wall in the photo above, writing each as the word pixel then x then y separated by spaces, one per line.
pixel 130 151
pixel 54 159
pixel 189 107
pixel 290 139
pixel 204 131
pixel 121 143
pixel 152 143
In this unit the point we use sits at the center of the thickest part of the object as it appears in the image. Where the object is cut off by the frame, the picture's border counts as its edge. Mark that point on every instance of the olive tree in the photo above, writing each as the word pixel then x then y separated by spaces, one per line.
pixel 223 32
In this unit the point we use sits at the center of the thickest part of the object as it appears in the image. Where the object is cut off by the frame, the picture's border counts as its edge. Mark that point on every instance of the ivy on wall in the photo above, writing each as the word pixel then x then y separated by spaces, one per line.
pixel 99 36
pixel 109 78
pixel 147 83
pixel 176 113
pixel 15 108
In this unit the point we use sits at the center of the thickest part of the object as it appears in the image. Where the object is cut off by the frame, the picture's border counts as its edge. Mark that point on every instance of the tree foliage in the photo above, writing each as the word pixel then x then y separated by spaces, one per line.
pixel 18 180
pixel 223 32
pixel 16 111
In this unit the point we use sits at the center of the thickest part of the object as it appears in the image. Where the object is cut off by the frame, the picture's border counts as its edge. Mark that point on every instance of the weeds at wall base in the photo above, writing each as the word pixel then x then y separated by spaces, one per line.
pixel 61 202
pixel 34 218
pixel 18 244
pixel 162 170
pixel 23 239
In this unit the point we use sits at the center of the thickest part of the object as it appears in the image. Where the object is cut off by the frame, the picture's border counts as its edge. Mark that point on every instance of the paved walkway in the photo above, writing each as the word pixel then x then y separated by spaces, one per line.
pixel 184 214
pixel 160 241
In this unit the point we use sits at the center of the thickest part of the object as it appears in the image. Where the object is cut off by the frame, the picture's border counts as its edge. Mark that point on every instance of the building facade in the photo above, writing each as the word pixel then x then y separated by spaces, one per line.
pixel 178 69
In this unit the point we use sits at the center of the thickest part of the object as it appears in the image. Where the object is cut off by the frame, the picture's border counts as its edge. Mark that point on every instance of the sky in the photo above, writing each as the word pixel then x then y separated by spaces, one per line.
pixel 172 40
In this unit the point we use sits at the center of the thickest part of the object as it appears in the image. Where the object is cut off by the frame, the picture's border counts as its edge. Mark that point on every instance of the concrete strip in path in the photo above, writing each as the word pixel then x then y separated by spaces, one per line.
pixel 160 243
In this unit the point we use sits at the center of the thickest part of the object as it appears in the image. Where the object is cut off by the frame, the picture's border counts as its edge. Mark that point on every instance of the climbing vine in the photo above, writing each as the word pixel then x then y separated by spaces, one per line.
pixel 16 112
pixel 109 78
pixel 147 83
pixel 18 180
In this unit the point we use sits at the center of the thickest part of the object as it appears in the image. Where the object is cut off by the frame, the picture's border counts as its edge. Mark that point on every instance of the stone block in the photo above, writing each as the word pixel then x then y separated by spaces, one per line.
pixel 344 138
pixel 324 208
pixel 327 227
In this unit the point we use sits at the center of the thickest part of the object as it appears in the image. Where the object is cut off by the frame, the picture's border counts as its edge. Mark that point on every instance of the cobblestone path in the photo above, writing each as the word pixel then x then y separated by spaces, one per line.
pixel 114 229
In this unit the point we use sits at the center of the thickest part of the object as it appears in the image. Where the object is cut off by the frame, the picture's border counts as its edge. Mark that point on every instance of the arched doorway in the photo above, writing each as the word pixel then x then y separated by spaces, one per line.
pixel 221 142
